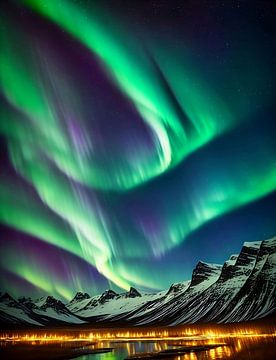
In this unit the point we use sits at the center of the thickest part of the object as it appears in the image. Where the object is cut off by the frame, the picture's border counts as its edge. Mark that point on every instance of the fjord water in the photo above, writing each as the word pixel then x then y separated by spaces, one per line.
pixel 238 348
pixel 247 341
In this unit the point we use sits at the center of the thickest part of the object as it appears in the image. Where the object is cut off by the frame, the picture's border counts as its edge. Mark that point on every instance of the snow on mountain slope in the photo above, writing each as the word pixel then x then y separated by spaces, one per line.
pixel 15 312
pixel 232 260
pixel 165 309
pixel 204 276
pixel 54 315
pixel 253 244
pixel 213 300
pixel 262 281
pixel 243 289
pixel 27 302
pixel 111 304
pixel 76 305
pixel 80 296
pixel 176 288
pixel 49 307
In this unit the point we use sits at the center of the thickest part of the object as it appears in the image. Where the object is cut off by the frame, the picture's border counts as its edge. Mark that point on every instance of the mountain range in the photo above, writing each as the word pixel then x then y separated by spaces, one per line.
pixel 241 289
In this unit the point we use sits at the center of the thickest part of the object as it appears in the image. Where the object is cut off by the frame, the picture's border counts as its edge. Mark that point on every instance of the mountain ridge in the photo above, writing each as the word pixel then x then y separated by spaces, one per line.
pixel 242 289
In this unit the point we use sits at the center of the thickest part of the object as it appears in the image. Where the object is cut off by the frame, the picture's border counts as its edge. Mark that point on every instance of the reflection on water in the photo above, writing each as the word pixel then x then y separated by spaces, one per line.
pixel 235 342
pixel 236 348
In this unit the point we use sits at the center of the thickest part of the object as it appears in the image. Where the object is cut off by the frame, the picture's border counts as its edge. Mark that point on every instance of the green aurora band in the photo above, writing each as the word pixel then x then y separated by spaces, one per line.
pixel 45 156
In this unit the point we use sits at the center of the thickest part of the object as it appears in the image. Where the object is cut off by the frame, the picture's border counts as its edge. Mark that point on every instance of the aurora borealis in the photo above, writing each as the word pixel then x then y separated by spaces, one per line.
pixel 136 139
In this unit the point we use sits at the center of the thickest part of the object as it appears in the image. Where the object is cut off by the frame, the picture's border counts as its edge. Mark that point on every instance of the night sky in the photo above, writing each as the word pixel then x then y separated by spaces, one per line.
pixel 137 138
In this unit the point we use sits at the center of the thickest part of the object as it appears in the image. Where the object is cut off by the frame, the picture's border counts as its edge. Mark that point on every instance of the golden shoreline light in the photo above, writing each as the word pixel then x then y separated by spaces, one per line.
pixel 187 334
pixel 228 341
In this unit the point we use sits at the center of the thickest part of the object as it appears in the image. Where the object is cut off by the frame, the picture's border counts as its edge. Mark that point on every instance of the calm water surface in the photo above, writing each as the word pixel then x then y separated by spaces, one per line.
pixel 235 348
pixel 237 342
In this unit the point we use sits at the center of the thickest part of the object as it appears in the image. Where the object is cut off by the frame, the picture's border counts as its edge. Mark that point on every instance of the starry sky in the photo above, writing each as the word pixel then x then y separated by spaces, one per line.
pixel 137 138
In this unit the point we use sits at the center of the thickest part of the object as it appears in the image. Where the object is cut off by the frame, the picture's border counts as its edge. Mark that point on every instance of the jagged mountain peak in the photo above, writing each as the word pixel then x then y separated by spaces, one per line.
pixel 107 295
pixel 205 272
pixel 28 302
pixel 252 244
pixel 109 292
pixel 6 297
pixel 269 244
pixel 242 289
pixel 176 288
pixel 50 302
pixel 206 265
pixel 132 293
pixel 80 296
pixel 248 253
pixel 232 260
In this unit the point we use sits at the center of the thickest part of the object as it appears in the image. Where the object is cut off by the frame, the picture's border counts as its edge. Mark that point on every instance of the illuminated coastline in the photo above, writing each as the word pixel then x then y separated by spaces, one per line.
pixel 220 341
pixel 133 335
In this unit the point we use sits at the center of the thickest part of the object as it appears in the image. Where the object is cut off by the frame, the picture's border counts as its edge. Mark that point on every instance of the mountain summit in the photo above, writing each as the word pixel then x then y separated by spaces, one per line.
pixel 79 297
pixel 242 289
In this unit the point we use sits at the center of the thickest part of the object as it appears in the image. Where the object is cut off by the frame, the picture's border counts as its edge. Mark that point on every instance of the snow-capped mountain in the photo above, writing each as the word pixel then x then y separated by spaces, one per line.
pixel 242 289
pixel 14 312
pixel 44 311
pixel 176 288
pixel 79 297
pixel 50 309
pixel 166 308
pixel 109 305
